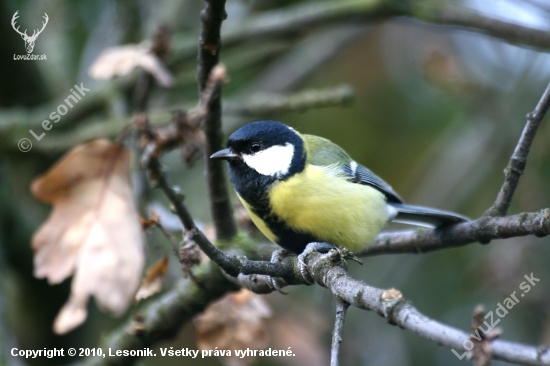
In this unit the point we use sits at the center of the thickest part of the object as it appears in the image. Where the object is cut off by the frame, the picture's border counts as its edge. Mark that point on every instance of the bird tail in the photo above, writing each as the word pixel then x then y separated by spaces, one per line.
pixel 424 216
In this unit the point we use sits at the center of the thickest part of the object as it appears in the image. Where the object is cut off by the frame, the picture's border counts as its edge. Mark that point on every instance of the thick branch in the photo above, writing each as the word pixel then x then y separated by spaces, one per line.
pixel 481 230
pixel 390 305
pixel 518 161
pixel 209 49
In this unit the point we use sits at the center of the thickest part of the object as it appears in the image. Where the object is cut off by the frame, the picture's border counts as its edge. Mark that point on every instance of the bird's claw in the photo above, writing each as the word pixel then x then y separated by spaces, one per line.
pixel 345 253
pixel 277 283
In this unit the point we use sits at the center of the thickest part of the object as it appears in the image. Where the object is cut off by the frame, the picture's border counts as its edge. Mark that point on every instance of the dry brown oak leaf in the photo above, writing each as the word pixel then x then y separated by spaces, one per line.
pixel 93 231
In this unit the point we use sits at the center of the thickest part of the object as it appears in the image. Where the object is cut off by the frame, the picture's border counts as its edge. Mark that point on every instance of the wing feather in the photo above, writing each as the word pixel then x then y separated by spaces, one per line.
pixel 327 153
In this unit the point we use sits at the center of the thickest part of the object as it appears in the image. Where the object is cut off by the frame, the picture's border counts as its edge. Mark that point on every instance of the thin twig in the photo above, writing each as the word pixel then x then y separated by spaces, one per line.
pixel 171 240
pixel 518 161
pixel 231 264
pixel 145 82
pixel 482 349
pixel 209 49
pixel 176 199
pixel 184 131
pixel 262 104
pixel 341 308
pixel 451 14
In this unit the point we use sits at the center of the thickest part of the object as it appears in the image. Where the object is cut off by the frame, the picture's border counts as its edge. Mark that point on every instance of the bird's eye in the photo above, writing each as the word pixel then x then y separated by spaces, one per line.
pixel 255 147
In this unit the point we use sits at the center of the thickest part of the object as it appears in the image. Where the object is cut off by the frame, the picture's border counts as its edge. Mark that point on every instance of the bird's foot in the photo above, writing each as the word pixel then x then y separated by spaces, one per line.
pixel 341 253
pixel 345 253
pixel 276 282
pixel 311 248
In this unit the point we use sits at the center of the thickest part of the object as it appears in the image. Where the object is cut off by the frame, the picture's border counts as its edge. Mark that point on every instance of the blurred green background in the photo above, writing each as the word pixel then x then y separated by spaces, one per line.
pixel 437 111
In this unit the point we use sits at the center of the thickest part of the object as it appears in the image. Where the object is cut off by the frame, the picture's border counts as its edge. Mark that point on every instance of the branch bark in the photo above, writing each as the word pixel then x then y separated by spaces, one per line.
pixel 482 230
pixel 209 49
pixel 390 305
pixel 518 161
pixel 341 309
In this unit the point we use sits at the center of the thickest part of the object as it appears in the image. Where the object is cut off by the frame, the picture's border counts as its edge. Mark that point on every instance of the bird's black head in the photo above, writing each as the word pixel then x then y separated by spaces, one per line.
pixel 261 153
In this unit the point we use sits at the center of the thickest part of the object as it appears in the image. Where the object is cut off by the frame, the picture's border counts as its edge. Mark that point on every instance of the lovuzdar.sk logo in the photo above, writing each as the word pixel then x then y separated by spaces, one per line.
pixel 29 40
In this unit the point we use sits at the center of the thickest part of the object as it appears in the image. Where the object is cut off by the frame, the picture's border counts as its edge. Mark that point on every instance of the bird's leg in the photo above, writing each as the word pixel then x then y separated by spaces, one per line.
pixel 344 253
pixel 277 283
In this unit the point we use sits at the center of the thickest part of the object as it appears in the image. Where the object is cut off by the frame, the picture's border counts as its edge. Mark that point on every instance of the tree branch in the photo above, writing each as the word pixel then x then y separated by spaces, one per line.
pixel 518 161
pixel 209 48
pixel 482 352
pixel 505 31
pixel 481 230
pixel 341 309
pixel 390 305
pixel 162 319
pixel 263 104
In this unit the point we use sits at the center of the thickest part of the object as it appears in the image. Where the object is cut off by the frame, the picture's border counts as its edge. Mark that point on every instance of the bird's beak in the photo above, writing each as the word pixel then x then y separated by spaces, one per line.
pixel 225 154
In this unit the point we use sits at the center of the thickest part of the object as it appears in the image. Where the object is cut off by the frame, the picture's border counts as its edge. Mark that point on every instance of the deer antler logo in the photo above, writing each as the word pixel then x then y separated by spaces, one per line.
pixel 29 41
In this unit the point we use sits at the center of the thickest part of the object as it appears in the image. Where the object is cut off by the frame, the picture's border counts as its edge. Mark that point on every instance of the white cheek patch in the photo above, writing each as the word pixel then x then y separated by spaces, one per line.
pixel 273 161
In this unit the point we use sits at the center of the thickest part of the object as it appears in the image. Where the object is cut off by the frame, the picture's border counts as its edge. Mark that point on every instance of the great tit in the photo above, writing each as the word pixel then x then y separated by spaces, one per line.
pixel 300 189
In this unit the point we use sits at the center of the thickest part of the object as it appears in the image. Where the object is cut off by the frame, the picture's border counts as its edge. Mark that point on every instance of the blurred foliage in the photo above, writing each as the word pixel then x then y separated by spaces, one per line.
pixel 437 113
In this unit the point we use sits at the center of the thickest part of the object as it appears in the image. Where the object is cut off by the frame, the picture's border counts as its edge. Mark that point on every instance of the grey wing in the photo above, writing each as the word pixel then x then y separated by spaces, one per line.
pixel 359 174
pixel 407 214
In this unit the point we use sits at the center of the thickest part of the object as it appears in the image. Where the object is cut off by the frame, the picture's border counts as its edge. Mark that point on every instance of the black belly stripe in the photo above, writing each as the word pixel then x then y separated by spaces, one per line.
pixel 287 238
pixel 253 187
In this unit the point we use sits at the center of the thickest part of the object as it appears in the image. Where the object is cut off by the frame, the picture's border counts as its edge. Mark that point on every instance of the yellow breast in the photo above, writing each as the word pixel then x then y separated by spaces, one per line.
pixel 320 202
pixel 260 224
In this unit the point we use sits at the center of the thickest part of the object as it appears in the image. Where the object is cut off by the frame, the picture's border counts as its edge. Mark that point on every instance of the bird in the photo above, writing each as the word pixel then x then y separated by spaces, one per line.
pixel 300 189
